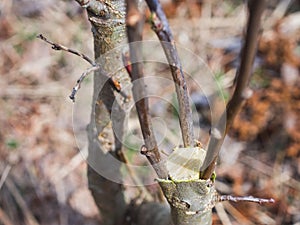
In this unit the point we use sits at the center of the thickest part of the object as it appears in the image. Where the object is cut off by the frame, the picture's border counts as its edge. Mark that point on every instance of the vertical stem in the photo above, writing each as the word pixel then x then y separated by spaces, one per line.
pixel 256 8
pixel 163 31
pixel 134 25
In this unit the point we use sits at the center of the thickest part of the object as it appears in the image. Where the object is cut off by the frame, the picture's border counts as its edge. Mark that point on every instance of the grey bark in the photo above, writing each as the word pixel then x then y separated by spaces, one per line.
pixel 107 20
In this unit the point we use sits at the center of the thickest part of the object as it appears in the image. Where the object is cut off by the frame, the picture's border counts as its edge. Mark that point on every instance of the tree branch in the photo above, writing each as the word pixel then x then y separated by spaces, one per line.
pixel 223 198
pixel 134 25
pixel 59 47
pixel 161 27
pixel 108 27
pixel 114 84
pixel 256 8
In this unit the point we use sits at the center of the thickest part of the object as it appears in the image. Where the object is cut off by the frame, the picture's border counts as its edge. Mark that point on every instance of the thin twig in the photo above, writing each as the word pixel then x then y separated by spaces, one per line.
pixel 256 9
pixel 114 84
pixel 30 219
pixel 142 190
pixel 79 81
pixel 134 25
pixel 245 199
pixel 60 47
pixel 161 27
pixel 222 214
pixel 269 171
pixel 236 214
pixel 4 218
pixel 4 175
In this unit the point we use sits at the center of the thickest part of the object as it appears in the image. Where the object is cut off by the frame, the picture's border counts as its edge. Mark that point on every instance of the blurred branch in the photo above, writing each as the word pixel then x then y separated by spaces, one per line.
pixel 4 175
pixel 256 8
pixel 4 218
pixel 134 25
pixel 161 27
pixel 142 190
pixel 29 217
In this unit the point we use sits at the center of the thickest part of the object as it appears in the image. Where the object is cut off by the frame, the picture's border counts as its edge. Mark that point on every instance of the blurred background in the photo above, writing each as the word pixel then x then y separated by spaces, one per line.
pixel 43 174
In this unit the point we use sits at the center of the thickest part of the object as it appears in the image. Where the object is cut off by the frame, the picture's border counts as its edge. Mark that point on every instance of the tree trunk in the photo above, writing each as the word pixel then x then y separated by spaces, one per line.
pixel 107 19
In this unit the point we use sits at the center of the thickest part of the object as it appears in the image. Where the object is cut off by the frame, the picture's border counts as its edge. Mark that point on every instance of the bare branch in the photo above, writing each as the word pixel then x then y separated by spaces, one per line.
pixel 161 27
pixel 4 175
pixel 21 203
pixel 134 25
pixel 256 8
pixel 114 84
pixel 59 47
pixel 223 198
pixel 79 81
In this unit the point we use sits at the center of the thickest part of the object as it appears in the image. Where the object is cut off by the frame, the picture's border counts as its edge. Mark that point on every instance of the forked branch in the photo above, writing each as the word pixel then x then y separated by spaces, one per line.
pixel 114 84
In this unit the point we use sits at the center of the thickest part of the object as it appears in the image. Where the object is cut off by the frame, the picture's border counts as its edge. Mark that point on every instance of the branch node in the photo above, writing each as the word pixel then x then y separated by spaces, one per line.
pixel 85 4
pixel 157 25
pixel 247 93
pixel 215 132
pixel 145 151
pixel 127 63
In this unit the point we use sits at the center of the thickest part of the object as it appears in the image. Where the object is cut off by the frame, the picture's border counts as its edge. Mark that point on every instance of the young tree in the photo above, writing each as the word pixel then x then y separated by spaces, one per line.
pixel 191 198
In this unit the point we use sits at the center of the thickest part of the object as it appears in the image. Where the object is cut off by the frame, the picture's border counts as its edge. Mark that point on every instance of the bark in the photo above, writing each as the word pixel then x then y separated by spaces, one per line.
pixel 107 20
pixel 149 213
pixel 191 201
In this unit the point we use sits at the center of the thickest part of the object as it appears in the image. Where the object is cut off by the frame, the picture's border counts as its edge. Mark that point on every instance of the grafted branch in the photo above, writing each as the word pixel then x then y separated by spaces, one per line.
pixel 161 27
pixel 134 25
pixel 256 8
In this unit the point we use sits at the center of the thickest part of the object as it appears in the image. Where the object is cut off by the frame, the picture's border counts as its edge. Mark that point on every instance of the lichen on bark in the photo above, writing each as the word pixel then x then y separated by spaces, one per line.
pixel 108 27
